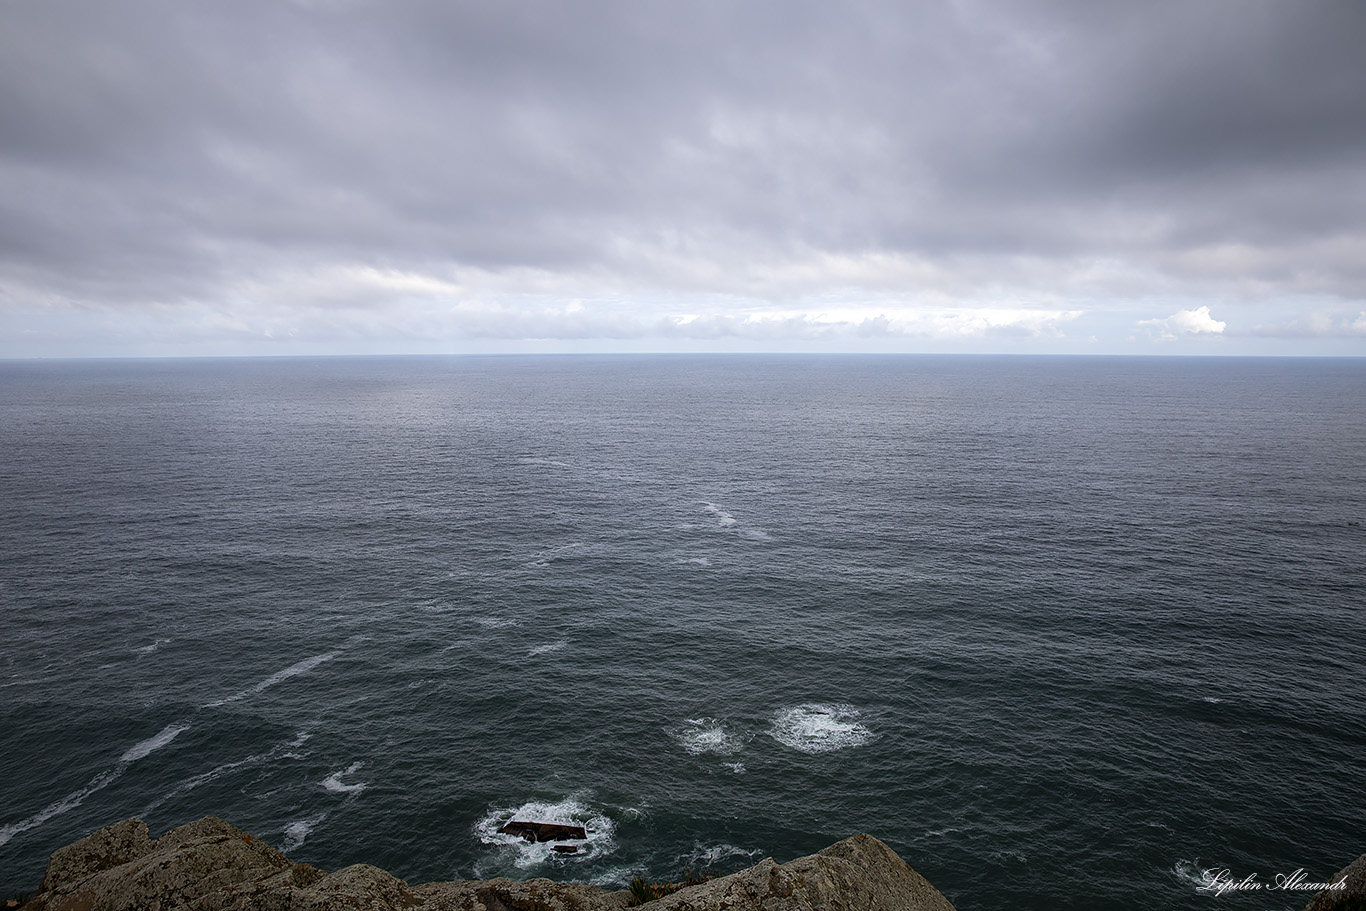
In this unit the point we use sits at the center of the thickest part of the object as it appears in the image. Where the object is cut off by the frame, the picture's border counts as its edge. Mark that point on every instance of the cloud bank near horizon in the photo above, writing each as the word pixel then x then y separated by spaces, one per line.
pixel 338 175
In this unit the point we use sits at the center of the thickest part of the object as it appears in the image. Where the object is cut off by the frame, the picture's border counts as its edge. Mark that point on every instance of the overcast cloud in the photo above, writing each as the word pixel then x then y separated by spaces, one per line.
pixel 1175 176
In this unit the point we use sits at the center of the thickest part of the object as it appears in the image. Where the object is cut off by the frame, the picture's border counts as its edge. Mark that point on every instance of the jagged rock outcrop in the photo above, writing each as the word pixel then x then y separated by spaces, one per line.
pixel 1351 896
pixel 210 865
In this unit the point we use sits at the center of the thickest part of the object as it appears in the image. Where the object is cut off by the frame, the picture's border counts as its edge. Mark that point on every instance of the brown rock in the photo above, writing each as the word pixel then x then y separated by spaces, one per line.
pixel 1351 895
pixel 109 847
pixel 210 865
pixel 857 874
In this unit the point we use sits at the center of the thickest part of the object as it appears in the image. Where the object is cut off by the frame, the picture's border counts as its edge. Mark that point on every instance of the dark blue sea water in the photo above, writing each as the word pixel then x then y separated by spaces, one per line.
pixel 1064 632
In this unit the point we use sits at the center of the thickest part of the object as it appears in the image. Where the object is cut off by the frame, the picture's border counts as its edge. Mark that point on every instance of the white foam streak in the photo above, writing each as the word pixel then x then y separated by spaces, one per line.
pixel 152 744
pixel 723 518
pixel 497 622
pixel 149 649
pixel 220 770
pixel 69 802
pixel 726 520
pixel 297 832
pixel 334 782
pixel 546 649
pixel 709 857
pixel 294 670
pixel 103 780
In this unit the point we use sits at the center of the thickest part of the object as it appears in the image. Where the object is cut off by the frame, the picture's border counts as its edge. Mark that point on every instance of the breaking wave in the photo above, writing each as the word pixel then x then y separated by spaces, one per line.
pixel 569 811
pixel 294 670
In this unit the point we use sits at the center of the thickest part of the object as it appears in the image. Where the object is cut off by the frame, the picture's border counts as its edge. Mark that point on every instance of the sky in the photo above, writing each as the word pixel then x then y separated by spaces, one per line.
pixel 441 176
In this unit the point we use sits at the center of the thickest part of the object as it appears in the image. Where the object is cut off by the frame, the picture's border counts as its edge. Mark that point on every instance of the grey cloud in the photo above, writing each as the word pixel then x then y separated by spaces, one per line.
pixel 163 152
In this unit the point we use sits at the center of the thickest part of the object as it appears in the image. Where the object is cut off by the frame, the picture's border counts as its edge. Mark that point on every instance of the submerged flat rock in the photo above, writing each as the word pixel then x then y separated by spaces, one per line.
pixel 211 865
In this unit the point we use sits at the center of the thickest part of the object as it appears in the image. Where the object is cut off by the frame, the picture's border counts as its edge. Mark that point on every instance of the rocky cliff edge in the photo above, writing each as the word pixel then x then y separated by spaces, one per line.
pixel 210 865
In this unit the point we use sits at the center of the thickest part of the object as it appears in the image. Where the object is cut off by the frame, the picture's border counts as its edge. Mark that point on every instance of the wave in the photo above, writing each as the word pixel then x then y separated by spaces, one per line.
pixel 817 727
pixel 334 784
pixel 294 670
pixel 550 647
pixel 149 649
pixel 103 780
pixel 569 811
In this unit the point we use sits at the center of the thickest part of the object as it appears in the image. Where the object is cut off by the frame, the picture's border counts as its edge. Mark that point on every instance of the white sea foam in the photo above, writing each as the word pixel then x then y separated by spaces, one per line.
pixel 560 552
pixel 149 649
pixel 939 833
pixel 299 740
pixel 497 622
pixel 737 767
pixel 1213 700
pixel 297 832
pixel 549 647
pixel 190 784
pixel 723 518
pixel 103 780
pixel 569 811
pixel 335 784
pixel 816 727
pixel 152 744
pixel 69 802
pixel 548 463
pixel 1193 872
pixel 726 520
pixel 294 670
pixel 699 561
pixel 614 878
pixel 708 735
pixel 705 857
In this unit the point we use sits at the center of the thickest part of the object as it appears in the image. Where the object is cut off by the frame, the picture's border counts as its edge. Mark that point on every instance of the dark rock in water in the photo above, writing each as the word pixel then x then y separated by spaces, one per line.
pixel 210 865
pixel 565 849
pixel 543 831
pixel 1352 894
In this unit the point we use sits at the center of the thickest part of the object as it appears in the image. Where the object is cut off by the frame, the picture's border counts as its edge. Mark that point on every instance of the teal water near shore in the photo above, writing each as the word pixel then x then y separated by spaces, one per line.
pixel 1064 632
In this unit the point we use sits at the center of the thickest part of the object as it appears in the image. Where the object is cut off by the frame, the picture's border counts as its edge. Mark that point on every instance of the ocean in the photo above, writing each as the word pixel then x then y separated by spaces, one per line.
pixel 1064 632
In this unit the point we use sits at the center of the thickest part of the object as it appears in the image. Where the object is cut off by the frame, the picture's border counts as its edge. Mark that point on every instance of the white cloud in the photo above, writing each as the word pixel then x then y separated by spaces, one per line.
pixel 1187 323
pixel 1316 324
